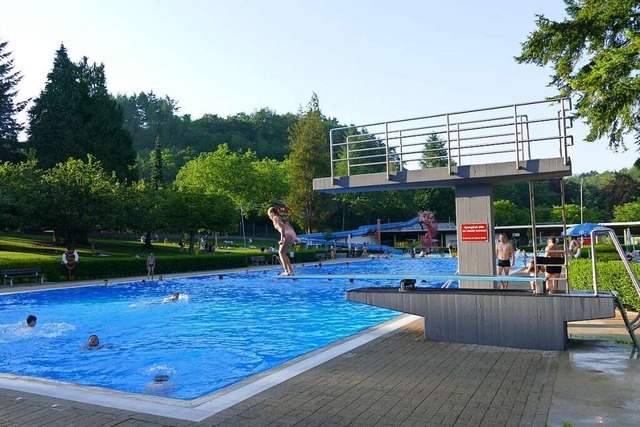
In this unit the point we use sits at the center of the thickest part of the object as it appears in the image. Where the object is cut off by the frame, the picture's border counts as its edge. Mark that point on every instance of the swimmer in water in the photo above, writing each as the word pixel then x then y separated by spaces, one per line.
pixel 93 342
pixel 31 320
pixel 174 297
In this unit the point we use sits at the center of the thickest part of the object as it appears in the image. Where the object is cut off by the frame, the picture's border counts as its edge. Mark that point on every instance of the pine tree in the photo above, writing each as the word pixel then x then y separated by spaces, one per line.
pixel 10 128
pixel 309 159
pixel 156 165
pixel 55 117
pixel 75 116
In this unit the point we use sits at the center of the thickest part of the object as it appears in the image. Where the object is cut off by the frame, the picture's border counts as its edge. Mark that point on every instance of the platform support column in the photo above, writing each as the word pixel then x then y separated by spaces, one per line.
pixel 474 205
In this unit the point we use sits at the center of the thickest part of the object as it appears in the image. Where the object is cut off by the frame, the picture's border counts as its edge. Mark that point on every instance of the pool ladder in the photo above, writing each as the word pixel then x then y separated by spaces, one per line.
pixel 448 283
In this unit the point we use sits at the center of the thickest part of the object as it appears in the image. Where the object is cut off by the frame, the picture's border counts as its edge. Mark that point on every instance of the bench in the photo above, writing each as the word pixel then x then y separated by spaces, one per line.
pixel 321 257
pixel 12 273
pixel 259 259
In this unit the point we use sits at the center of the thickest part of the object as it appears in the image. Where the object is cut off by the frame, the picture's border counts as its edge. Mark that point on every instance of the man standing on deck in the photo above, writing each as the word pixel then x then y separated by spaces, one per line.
pixel 506 257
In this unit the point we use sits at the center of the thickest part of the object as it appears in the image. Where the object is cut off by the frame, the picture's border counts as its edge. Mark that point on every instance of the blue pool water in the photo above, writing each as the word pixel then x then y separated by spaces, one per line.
pixel 217 333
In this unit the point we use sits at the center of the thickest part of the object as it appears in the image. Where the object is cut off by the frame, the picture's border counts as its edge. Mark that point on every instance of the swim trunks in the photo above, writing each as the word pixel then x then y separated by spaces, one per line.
pixel 504 263
pixel 554 269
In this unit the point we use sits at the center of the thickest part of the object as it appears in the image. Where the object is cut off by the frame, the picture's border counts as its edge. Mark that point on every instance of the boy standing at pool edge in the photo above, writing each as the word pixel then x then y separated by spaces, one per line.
pixel 506 257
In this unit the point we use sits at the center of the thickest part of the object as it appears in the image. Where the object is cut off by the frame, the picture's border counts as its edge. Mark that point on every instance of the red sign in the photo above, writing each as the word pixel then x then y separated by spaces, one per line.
pixel 474 232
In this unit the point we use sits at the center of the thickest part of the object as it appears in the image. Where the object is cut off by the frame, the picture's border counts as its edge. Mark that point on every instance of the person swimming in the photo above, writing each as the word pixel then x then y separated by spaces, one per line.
pixel 174 297
pixel 31 320
pixel 93 342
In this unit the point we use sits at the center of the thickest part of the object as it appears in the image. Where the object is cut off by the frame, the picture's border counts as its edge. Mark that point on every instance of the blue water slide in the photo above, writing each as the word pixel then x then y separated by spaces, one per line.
pixel 365 230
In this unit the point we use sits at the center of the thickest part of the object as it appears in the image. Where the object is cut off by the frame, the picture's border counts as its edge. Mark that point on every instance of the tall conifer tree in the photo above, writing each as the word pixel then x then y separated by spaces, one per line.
pixel 309 159
pixel 75 116
pixel 156 165
pixel 10 149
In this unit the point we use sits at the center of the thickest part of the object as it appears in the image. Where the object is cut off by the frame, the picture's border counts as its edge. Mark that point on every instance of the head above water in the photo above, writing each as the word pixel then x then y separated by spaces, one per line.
pixel 93 341
pixel 31 320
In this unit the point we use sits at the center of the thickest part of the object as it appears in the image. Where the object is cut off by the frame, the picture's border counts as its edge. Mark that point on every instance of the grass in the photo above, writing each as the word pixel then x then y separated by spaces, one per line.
pixel 18 246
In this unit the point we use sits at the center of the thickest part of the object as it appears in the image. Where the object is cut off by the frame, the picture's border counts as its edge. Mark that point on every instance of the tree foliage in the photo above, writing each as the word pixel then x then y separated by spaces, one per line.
pixel 21 196
pixel 627 212
pixel 244 179
pixel 81 198
pixel 189 211
pixel 10 128
pixel 309 159
pixel 505 212
pixel 75 116
pixel 595 55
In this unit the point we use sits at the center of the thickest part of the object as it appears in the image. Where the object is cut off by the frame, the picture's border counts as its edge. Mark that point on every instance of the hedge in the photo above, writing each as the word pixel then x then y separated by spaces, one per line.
pixel 109 267
pixel 612 276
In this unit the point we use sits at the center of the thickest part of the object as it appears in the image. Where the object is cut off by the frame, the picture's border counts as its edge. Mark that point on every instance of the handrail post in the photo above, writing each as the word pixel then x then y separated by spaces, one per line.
pixel 400 167
pixel 564 133
pixel 386 146
pixel 459 148
pixel 348 156
pixel 449 146
pixel 331 154
pixel 515 131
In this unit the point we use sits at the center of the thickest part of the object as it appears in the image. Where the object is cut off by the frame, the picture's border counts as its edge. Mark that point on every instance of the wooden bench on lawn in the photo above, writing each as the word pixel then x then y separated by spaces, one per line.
pixel 12 273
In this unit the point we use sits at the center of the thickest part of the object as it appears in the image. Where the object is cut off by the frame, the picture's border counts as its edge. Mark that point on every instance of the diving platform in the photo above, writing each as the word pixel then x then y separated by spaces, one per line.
pixel 470 151
pixel 505 318
pixel 438 177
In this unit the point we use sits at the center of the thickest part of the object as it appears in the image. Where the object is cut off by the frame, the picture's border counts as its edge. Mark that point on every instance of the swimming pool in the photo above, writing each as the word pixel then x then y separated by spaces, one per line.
pixel 216 334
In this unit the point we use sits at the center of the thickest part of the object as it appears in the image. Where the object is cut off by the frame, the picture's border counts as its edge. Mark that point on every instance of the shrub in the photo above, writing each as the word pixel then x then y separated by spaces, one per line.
pixel 612 276
pixel 109 267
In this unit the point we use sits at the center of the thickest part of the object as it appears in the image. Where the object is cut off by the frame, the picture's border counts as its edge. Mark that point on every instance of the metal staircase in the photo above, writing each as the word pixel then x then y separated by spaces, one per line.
pixel 631 325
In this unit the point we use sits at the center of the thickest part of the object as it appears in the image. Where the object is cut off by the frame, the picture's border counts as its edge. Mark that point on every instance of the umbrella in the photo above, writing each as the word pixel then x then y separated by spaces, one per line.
pixel 583 230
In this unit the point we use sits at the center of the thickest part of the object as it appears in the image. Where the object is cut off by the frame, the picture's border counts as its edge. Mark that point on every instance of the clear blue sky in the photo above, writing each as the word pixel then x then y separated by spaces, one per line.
pixel 368 61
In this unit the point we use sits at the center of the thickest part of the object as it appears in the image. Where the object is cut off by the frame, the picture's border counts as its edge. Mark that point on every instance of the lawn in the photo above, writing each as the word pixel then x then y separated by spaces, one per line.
pixel 39 247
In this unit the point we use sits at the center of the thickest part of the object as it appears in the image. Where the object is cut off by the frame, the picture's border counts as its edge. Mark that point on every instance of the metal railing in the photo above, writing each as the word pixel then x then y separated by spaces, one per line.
pixel 627 265
pixel 515 133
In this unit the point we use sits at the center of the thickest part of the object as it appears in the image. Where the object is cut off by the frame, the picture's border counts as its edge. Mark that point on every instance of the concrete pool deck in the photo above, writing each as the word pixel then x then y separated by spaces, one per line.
pixel 401 379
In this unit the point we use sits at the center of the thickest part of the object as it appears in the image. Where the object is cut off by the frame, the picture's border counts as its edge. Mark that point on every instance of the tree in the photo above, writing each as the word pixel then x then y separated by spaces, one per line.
pixel 628 212
pixel 81 198
pixel 156 165
pixel 434 154
pixel 505 212
pixel 75 116
pixel 21 195
pixel 140 208
pixel 595 56
pixel 620 189
pixel 309 159
pixel 233 174
pixel 186 210
pixel 10 147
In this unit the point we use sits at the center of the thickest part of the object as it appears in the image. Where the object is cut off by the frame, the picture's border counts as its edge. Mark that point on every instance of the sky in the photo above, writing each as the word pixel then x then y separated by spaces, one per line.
pixel 368 61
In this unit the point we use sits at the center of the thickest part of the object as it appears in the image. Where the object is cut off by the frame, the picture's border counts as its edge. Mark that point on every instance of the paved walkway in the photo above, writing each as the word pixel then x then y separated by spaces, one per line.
pixel 402 380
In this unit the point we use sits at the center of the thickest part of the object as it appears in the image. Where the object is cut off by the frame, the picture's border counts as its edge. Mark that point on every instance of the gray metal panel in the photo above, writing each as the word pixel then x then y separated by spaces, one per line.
pixel 484 174
pixel 502 318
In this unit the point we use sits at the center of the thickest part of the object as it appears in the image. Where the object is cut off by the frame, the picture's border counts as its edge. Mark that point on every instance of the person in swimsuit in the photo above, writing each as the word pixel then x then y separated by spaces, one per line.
pixel 151 265
pixel 553 271
pixel 287 238
pixel 506 255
